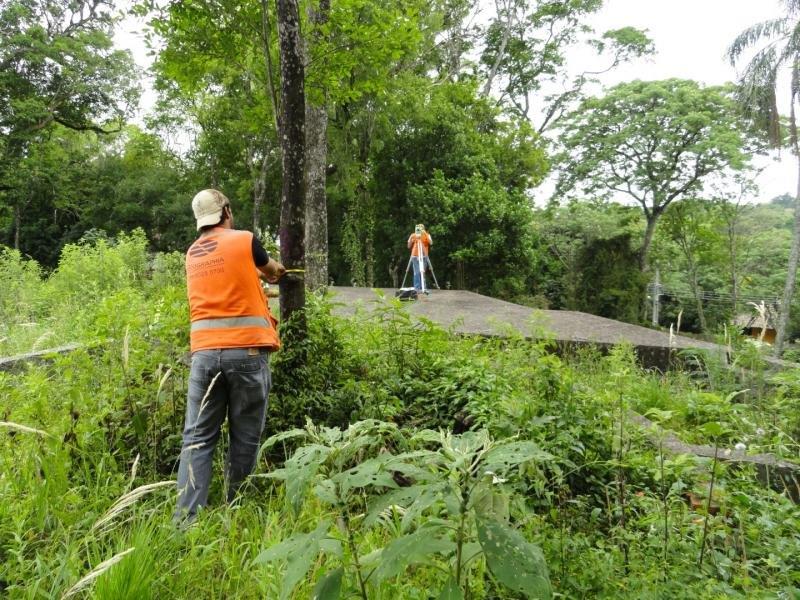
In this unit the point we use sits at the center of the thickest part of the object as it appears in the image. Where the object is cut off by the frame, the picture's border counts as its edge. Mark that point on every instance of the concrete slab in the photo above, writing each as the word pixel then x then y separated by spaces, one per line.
pixel 15 364
pixel 475 314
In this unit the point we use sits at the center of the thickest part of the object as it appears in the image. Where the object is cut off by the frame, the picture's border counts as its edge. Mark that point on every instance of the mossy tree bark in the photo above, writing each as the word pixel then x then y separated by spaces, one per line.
pixel 292 132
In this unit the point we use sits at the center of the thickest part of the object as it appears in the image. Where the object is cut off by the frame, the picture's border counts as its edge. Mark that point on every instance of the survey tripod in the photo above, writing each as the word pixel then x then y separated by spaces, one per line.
pixel 421 262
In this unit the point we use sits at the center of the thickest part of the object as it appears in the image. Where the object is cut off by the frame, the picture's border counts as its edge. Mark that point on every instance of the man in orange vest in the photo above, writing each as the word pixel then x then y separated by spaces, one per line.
pixel 232 334
pixel 420 243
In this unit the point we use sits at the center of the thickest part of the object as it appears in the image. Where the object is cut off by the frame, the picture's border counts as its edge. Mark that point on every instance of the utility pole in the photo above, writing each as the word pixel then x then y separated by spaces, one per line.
pixel 656 293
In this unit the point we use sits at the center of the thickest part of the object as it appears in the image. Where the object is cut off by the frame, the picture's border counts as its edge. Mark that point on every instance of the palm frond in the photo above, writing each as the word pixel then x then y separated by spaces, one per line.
pixel 792 6
pixel 766 30
pixel 757 91
pixel 791 49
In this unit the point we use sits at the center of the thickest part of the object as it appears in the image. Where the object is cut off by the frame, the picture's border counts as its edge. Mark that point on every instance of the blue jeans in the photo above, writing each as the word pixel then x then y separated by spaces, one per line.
pixel 232 382
pixel 426 265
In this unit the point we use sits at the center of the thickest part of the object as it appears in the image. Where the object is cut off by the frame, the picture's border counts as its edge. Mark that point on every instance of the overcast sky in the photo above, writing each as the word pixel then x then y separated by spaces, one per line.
pixel 690 36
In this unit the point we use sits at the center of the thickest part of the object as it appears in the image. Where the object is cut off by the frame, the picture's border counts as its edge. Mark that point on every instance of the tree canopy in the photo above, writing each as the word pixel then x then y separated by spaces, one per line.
pixel 654 142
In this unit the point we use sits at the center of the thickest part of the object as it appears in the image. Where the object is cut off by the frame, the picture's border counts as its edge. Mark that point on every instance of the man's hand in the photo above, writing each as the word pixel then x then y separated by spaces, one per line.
pixel 272 271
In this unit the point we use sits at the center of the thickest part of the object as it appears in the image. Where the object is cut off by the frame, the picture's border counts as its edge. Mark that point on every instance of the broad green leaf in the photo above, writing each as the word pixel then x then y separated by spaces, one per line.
pixel 452 500
pixel 329 587
pixel 300 551
pixel 331 546
pixel 490 501
pixel 326 491
pixel 287 547
pixel 410 549
pixel 502 458
pixel 470 552
pixel 280 437
pixel 300 470
pixel 470 442
pixel 427 435
pixel 451 591
pixel 515 562
pixel 399 497
pixel 428 496
pixel 713 429
pixel 372 472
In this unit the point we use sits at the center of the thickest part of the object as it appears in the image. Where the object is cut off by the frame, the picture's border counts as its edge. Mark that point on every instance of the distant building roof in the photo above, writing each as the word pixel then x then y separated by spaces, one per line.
pixel 751 321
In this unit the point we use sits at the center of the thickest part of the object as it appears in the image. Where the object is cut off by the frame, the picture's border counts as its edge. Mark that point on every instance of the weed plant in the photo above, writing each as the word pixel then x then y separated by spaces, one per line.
pixel 402 462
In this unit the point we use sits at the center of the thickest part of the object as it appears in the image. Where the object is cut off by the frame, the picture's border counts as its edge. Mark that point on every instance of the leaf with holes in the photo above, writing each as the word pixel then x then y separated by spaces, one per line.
pixel 399 497
pixel 411 549
pixel 370 473
pixel 515 562
pixel 429 494
pixel 300 470
pixel 502 458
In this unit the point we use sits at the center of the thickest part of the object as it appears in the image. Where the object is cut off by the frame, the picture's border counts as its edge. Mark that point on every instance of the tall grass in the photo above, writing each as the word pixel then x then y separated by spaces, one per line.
pixel 89 447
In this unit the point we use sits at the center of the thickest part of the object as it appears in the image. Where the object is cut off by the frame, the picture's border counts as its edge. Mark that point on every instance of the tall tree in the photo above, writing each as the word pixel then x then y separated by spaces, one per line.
pixel 216 65
pixel 524 57
pixel 692 225
pixel 655 142
pixel 58 67
pixel 732 208
pixel 316 164
pixel 778 53
pixel 292 126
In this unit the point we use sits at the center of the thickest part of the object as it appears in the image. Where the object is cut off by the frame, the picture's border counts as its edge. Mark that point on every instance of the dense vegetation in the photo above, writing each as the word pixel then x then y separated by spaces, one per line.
pixel 401 461
pixel 541 455
pixel 415 131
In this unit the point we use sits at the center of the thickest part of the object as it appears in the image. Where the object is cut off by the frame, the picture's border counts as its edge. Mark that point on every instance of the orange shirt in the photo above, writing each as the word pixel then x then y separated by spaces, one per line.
pixel 226 301
pixel 425 241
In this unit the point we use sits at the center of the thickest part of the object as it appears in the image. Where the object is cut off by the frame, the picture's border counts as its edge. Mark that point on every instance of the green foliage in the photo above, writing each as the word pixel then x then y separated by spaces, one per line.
pixel 458 168
pixel 547 487
pixel 611 284
pixel 687 124
pixel 60 71
pixel 590 258
pixel 656 142
pixel 525 53
pixel 443 494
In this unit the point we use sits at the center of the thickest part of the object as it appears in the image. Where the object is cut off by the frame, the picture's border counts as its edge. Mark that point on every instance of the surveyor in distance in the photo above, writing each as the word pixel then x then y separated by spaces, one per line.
pixel 420 243
pixel 232 334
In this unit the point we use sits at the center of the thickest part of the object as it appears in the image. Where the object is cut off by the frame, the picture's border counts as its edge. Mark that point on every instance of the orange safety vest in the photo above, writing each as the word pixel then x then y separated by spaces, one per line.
pixel 425 240
pixel 227 304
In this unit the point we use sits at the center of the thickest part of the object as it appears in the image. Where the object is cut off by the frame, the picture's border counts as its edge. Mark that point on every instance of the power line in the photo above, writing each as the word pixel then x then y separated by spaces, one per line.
pixel 709 295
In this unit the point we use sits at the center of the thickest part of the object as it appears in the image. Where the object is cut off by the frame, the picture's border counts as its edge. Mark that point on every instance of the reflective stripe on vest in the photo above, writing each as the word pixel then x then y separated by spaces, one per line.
pixel 230 323
pixel 227 306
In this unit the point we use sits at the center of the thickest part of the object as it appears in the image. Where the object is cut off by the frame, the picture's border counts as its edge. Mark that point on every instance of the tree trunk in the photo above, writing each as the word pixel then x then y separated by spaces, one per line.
pixel 260 192
pixel 292 225
pixel 316 198
pixel 369 258
pixel 791 275
pixel 17 219
pixel 316 163
pixel 487 87
pixel 732 251
pixel 648 240
pixel 698 301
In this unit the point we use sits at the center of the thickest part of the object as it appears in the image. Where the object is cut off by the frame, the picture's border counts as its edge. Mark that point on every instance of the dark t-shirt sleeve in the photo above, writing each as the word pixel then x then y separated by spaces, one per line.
pixel 260 255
